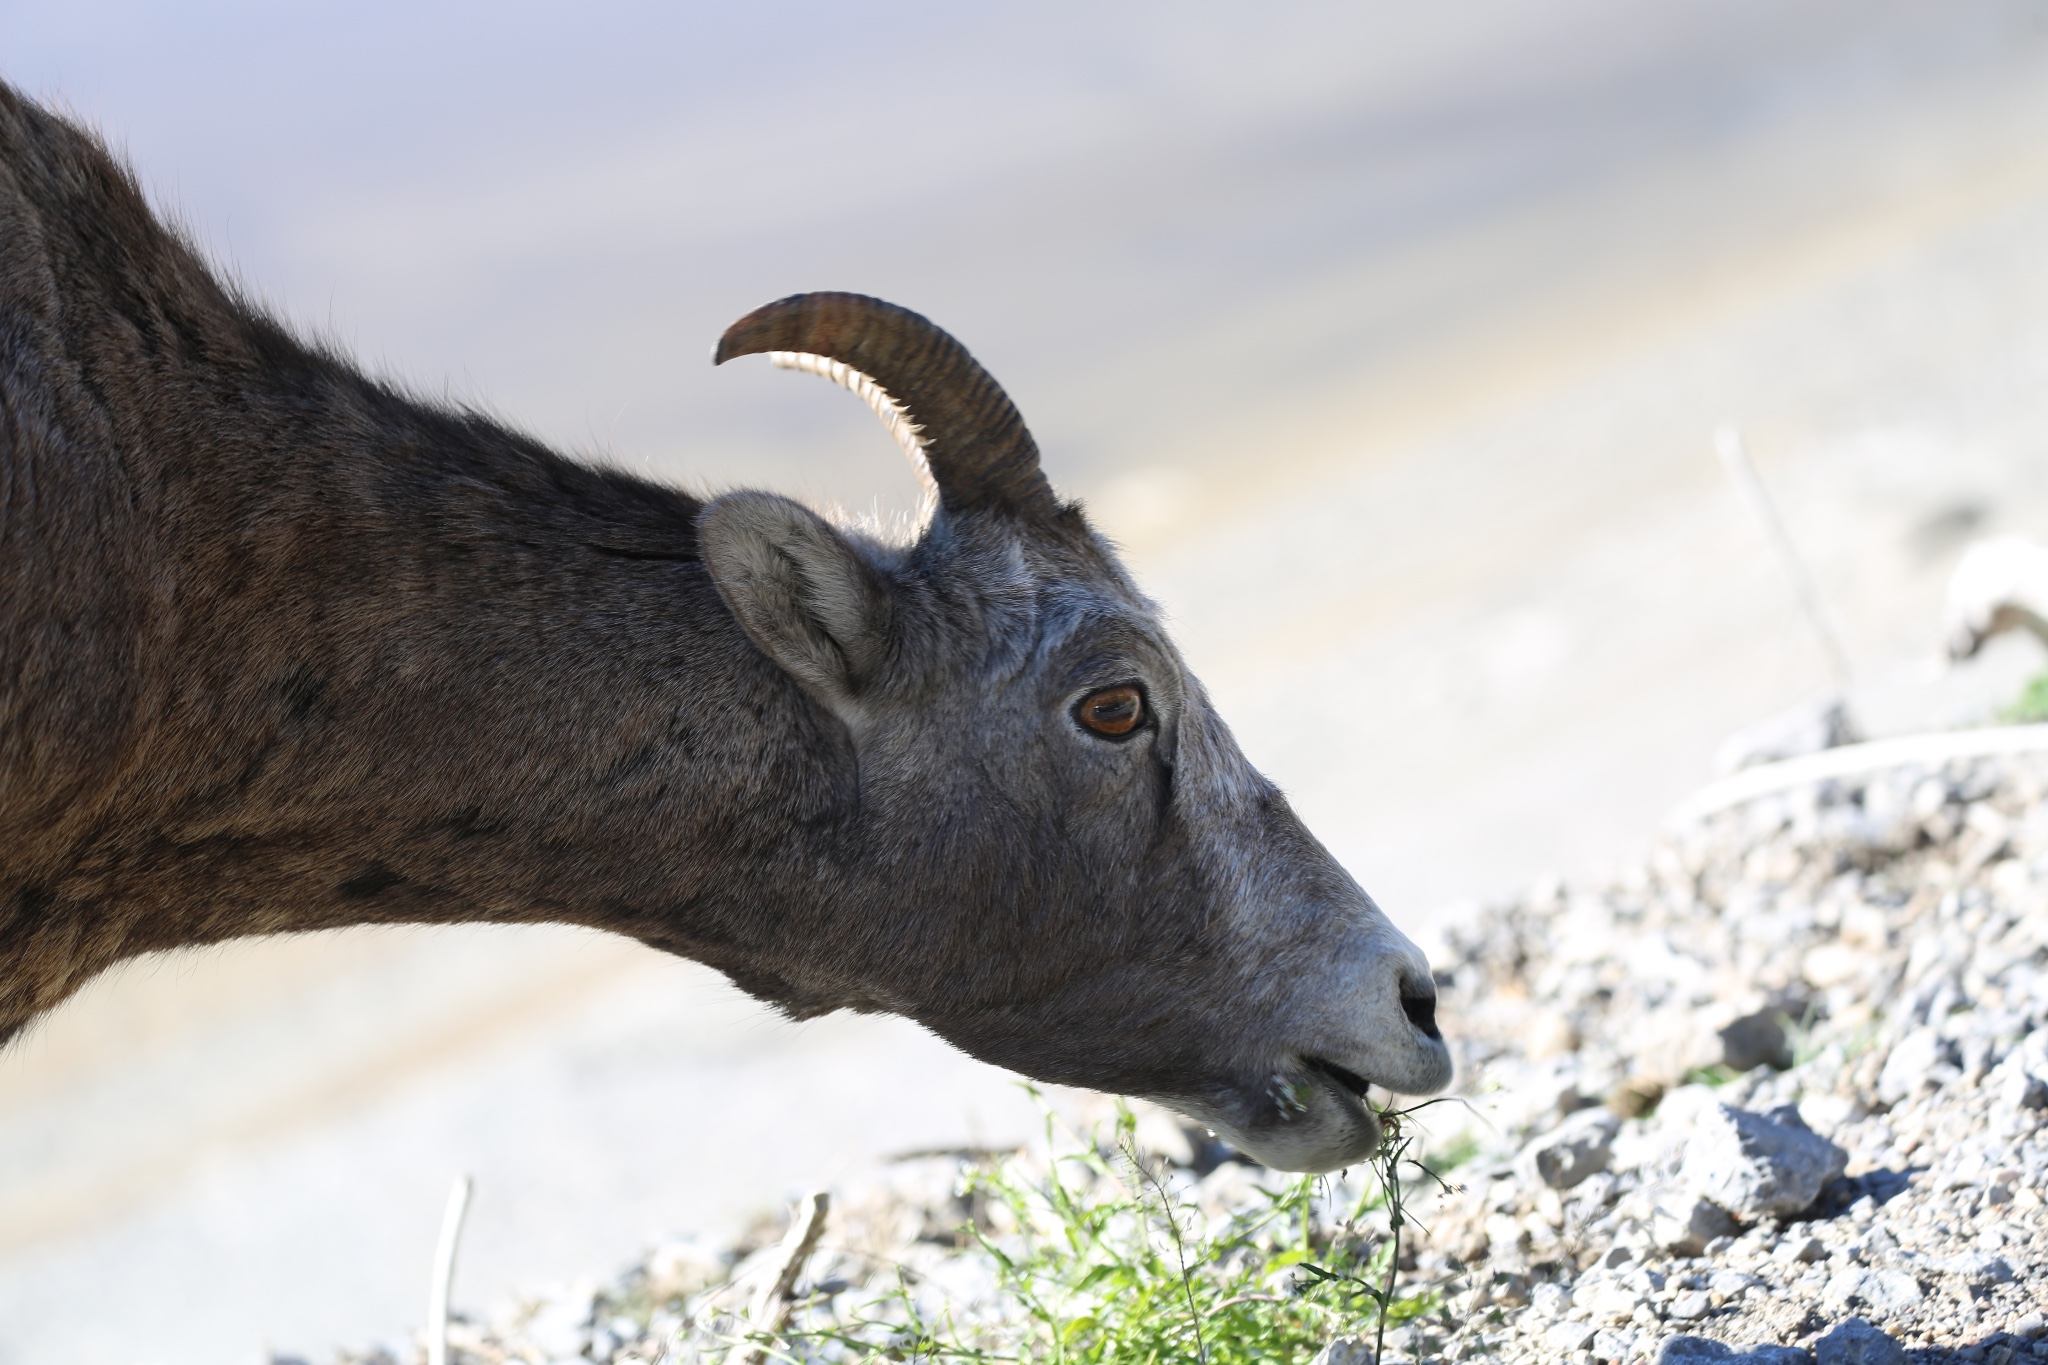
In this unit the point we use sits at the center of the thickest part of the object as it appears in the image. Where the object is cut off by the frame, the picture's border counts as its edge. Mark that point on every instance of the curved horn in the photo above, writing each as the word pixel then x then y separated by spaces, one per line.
pixel 935 397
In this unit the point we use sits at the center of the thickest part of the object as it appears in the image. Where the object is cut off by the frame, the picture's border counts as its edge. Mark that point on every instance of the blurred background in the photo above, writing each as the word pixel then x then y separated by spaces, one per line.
pixel 1389 340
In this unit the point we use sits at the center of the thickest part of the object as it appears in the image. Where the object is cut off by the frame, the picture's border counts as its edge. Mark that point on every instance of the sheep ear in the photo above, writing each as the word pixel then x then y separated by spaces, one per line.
pixel 803 594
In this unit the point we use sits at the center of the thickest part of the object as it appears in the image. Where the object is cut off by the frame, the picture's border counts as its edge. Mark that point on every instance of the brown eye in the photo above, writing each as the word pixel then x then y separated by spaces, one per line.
pixel 1114 711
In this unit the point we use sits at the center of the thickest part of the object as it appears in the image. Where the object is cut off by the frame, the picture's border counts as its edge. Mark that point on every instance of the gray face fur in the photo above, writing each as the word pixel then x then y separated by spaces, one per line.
pixel 284 649
pixel 1142 913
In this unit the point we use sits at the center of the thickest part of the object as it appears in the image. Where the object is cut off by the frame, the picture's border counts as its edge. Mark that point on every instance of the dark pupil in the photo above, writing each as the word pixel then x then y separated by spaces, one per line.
pixel 1114 711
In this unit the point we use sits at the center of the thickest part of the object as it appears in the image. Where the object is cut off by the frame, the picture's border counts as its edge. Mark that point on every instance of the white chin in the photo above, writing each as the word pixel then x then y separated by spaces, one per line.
pixel 1335 1130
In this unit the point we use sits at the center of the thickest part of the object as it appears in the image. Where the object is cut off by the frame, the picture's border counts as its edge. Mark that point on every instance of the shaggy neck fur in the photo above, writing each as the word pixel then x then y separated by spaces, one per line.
pixel 269 633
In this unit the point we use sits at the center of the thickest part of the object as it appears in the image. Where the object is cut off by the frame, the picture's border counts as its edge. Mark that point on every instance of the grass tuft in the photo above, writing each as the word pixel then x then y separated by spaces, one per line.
pixel 1101 1258
pixel 2031 706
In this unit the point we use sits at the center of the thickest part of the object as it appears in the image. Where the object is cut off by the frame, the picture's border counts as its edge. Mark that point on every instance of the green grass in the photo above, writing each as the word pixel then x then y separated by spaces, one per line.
pixel 1105 1265
pixel 2031 706
pixel 1715 1076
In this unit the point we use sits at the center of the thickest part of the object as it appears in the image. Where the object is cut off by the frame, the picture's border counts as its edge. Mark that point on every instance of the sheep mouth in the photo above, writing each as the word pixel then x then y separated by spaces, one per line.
pixel 1310 1117
pixel 1349 1081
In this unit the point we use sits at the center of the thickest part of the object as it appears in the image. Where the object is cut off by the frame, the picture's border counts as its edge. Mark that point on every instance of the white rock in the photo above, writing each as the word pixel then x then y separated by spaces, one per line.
pixel 1731 1283
pixel 1798 1250
pixel 1889 1291
pixel 1770 1355
pixel 1977 1267
pixel 1693 1303
pixel 1569 1153
pixel 1893 1291
pixel 1923 1059
pixel 560 1324
pixel 1613 1346
pixel 1685 1224
pixel 1758 1165
pixel 1611 1300
pixel 1345 1351
pixel 1569 1336
pixel 1856 1342
pixel 2019 1088
pixel 682 1268
pixel 1843 1287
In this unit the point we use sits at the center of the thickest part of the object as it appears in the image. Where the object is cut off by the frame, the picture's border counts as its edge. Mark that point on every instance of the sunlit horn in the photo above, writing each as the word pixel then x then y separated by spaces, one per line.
pixel 935 398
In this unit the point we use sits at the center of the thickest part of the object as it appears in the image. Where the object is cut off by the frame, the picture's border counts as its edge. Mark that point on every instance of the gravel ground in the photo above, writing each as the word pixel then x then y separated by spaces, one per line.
pixel 1788 1075
pixel 1777 1094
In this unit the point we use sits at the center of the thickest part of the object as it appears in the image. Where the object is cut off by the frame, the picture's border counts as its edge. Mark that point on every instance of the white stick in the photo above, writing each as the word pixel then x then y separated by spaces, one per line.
pixel 1735 458
pixel 444 1271
pixel 770 1308
pixel 1854 760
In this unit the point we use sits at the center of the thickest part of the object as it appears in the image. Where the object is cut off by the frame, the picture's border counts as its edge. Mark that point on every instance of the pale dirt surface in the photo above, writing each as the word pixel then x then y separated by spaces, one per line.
pixel 1392 354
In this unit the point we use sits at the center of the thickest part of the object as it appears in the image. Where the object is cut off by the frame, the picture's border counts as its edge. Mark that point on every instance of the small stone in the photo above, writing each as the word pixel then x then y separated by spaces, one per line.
pixel 1612 1345
pixel 1569 1336
pixel 1754 1165
pixel 1688 1225
pixel 1731 1284
pixel 680 1269
pixel 1685 1349
pixel 2023 1090
pixel 1505 1235
pixel 2027 1325
pixel 1692 1304
pixel 1511 1289
pixel 1635 1097
pixel 1756 1040
pixel 1768 1354
pixel 1893 1291
pixel 1345 1351
pixel 1923 1059
pixel 560 1325
pixel 1566 1155
pixel 1550 1300
pixel 1550 1033
pixel 1616 1302
pixel 1800 1251
pixel 1844 1287
pixel 1832 964
pixel 1977 1267
pixel 1856 1342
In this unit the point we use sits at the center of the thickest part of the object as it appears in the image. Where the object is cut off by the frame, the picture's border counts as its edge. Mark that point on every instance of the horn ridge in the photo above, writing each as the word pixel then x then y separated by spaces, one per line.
pixel 973 440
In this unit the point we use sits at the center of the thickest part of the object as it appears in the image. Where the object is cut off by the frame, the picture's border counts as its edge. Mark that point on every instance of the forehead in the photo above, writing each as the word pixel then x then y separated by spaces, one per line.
pixel 1062 608
pixel 1086 631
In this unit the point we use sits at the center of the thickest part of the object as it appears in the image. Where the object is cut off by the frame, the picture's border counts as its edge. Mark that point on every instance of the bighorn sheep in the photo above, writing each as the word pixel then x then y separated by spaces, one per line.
pixel 284 649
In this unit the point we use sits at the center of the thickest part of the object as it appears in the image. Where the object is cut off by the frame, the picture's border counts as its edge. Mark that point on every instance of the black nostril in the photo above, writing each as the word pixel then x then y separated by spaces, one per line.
pixel 1421 1012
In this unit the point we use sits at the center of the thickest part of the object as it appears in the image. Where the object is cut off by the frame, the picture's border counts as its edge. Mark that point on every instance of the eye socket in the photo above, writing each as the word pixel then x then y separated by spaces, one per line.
pixel 1114 711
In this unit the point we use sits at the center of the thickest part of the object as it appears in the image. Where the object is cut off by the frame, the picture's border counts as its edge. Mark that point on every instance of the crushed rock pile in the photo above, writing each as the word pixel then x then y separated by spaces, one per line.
pixel 1780 1090
pixel 1775 1096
